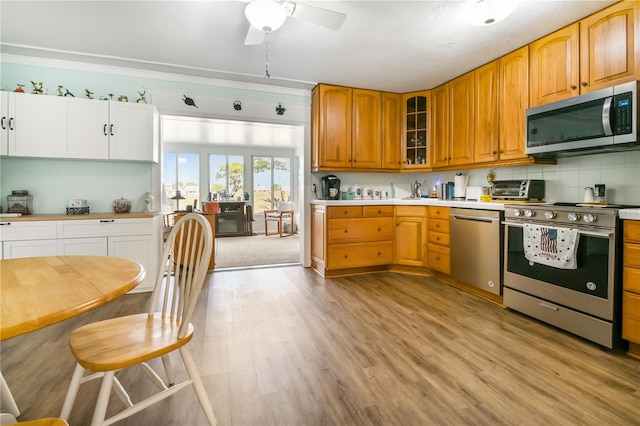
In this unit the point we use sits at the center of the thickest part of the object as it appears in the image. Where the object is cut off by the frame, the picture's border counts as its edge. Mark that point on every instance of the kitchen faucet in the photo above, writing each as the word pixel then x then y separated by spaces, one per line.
pixel 415 190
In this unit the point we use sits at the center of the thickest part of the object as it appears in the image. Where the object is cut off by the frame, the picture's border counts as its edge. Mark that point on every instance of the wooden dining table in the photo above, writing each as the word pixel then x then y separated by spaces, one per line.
pixel 39 291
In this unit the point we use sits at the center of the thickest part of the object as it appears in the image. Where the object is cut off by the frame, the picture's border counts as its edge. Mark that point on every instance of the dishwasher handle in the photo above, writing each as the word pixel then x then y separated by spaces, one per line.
pixel 475 218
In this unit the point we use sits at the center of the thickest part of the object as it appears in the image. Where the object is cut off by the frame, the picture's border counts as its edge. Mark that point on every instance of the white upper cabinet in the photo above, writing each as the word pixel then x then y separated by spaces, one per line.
pixel 88 129
pixel 38 126
pixel 5 121
pixel 62 127
pixel 131 132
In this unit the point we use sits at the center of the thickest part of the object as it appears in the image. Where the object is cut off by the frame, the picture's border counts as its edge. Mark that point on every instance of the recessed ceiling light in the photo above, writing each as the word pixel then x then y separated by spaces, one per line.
pixel 487 12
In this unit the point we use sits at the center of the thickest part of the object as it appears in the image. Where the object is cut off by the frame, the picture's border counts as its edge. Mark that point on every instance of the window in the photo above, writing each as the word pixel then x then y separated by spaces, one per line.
pixel 181 172
pixel 226 176
pixel 271 182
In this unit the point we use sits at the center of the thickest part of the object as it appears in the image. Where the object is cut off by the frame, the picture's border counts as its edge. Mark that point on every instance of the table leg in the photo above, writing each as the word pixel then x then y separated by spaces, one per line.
pixel 7 403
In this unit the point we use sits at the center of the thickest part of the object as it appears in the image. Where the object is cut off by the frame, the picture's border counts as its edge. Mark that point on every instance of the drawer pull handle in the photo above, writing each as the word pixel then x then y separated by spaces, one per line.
pixel 105 130
pixel 548 306
pixel 106 221
pixel 346 255
pixel 437 257
pixel 379 254
pixel 379 211
pixel 379 229
pixel 346 231
pixel 5 223
pixel 437 238
pixel 437 225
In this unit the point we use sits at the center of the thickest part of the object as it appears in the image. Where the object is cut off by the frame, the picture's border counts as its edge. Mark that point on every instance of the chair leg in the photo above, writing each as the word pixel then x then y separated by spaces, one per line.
pixel 194 374
pixel 168 368
pixel 103 399
pixel 70 399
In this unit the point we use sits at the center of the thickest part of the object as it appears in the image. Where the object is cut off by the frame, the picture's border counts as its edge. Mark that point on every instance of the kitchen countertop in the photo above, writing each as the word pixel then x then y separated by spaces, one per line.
pixel 35 217
pixel 483 205
pixel 629 214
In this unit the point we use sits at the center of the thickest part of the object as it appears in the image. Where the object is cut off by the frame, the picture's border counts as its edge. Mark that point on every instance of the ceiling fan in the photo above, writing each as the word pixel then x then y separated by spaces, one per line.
pixel 266 16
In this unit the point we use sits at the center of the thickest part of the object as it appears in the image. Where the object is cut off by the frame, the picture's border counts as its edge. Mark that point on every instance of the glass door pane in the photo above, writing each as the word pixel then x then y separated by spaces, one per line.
pixel 262 183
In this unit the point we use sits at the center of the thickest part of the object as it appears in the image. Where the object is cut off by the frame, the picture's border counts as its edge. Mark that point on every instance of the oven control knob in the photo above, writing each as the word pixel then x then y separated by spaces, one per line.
pixel 517 212
pixel 573 217
pixel 589 217
pixel 529 213
pixel 549 215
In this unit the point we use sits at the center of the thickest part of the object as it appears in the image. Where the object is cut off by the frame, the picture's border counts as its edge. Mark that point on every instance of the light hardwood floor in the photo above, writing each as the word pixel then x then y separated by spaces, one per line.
pixel 283 346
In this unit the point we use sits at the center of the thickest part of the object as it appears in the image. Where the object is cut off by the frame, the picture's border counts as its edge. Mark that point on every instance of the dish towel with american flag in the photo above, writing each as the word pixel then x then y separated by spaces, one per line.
pixel 550 246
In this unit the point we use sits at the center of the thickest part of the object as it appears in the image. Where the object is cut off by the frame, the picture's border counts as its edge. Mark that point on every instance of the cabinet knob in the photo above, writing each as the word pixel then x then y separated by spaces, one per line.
pixel 437 225
pixel 501 151
pixel 346 255
pixel 574 87
pixel 584 84
pixel 379 229
pixel 346 231
pixel 437 238
pixel 437 257
pixel 494 152
pixel 379 254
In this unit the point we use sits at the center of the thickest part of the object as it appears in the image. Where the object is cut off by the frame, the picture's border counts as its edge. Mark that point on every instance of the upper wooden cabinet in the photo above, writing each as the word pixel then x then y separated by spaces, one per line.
pixel 346 128
pixel 594 53
pixel 486 128
pixel 391 131
pixel 416 106
pixel 439 140
pixel 514 100
pixel 331 124
pixel 366 152
pixel 452 122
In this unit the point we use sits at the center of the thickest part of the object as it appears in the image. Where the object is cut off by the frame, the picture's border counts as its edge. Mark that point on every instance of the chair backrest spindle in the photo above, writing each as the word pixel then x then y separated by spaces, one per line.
pixel 187 251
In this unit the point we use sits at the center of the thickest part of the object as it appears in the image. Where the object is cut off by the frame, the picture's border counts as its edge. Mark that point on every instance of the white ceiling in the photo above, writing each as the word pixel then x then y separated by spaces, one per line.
pixel 396 46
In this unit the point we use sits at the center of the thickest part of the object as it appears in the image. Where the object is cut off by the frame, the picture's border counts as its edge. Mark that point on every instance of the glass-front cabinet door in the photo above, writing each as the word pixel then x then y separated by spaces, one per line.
pixel 414 148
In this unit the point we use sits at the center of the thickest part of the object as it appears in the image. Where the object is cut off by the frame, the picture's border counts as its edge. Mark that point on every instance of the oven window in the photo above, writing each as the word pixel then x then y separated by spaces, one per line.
pixel 592 260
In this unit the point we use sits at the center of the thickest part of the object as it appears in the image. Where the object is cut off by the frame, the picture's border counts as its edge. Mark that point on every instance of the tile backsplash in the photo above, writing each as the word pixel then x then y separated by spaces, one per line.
pixel 565 181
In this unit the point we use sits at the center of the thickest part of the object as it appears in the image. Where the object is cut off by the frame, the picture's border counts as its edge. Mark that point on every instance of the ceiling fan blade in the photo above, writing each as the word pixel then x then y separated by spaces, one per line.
pixel 255 36
pixel 317 15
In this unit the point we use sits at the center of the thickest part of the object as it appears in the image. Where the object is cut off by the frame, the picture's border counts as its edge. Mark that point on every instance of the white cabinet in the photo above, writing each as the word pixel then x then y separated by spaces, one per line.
pixel 29 248
pixel 88 127
pixel 38 125
pixel 83 246
pixel 63 127
pixel 136 239
pixel 132 132
pixel 5 122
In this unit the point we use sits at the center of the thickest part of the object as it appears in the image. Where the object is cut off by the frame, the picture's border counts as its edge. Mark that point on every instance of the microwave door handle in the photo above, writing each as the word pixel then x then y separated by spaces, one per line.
pixel 606 116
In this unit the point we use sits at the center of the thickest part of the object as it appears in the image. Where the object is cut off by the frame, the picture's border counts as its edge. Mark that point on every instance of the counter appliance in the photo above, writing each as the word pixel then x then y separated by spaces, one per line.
pixel 522 190
pixel 330 187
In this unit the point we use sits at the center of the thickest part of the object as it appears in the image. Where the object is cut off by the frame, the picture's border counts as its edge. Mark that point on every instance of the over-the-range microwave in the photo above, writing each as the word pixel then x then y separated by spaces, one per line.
pixel 601 121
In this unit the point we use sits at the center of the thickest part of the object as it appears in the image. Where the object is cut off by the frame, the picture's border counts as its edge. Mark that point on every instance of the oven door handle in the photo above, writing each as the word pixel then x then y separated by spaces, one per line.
pixel 605 234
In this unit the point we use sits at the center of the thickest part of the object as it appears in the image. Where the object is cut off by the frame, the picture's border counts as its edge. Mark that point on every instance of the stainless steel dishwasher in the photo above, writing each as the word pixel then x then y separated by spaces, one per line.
pixel 476 248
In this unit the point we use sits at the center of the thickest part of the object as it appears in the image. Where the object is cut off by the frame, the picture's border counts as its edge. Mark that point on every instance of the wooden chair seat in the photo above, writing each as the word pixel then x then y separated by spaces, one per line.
pixel 122 342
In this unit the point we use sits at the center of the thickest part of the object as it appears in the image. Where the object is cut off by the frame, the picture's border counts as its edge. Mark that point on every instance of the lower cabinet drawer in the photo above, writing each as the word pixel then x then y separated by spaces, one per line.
pixel 439 258
pixel 437 225
pixel 631 316
pixel 342 256
pixel 631 255
pixel 439 238
pixel 360 230
pixel 631 279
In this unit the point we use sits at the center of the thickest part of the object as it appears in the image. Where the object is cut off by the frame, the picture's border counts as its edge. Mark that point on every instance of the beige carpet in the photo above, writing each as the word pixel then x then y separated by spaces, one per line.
pixel 258 250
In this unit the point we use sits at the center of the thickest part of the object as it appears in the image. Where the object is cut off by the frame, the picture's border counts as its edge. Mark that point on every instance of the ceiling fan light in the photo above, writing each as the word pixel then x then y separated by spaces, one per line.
pixel 487 12
pixel 265 15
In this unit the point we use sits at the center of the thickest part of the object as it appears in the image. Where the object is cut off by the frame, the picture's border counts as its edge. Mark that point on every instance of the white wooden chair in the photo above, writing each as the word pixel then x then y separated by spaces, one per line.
pixel 284 212
pixel 106 347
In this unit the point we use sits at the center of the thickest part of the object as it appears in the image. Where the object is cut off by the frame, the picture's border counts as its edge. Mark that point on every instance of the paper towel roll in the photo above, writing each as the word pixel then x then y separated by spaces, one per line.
pixel 460 186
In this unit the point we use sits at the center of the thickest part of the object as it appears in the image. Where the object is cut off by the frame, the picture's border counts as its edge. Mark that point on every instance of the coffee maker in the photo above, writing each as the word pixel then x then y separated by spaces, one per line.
pixel 330 187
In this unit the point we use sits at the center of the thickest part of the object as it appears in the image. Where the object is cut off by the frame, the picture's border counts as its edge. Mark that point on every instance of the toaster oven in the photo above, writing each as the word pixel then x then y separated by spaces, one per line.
pixel 525 189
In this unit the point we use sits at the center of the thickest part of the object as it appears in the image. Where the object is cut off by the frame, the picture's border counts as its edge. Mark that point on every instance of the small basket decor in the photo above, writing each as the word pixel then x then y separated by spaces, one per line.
pixel 77 210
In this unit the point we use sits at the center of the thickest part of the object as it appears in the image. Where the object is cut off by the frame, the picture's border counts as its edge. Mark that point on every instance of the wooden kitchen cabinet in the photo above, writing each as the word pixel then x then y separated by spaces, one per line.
pixel 439 252
pixel 346 128
pixel 486 109
pixel 631 286
pixel 514 100
pixel 596 52
pixel 453 122
pixel 331 127
pixel 439 140
pixel 351 237
pixel 366 139
pixel 415 149
pixel 411 235
pixel 391 131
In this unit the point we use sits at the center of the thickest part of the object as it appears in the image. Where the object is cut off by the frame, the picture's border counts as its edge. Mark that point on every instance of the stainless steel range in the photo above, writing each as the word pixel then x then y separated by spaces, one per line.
pixel 562 266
